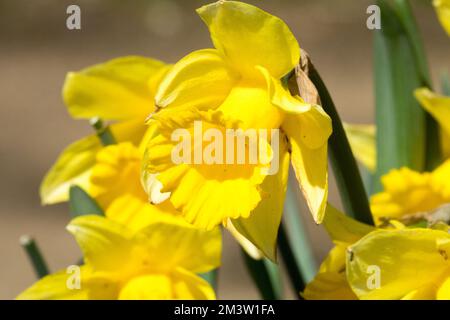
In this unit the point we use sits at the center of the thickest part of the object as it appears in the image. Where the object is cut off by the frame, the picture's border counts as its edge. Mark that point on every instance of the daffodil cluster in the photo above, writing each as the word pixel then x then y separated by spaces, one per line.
pixel 161 218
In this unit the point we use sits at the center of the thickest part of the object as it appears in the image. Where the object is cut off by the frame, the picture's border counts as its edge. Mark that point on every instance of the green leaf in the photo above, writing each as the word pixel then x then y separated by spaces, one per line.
pixel 445 79
pixel 81 203
pixel 211 277
pixel 265 275
pixel 400 67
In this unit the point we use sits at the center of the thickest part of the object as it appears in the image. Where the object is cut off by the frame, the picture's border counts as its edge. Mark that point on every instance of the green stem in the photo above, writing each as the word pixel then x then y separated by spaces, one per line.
pixel 265 275
pixel 290 261
pixel 34 255
pixel 345 169
pixel 297 234
pixel 104 133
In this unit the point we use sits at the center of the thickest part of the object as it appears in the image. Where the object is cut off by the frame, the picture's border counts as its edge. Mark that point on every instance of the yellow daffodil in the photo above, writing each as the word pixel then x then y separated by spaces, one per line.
pixel 238 85
pixel 439 107
pixel 330 283
pixel 120 90
pixel 443 10
pixel 123 264
pixel 407 192
pixel 411 264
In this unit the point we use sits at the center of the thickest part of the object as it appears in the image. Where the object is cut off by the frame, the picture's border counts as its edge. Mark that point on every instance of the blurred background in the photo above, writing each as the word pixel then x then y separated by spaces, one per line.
pixel 37 50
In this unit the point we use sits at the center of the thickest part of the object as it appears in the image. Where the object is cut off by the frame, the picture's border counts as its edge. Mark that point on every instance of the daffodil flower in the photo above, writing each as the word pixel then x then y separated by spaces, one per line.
pixel 330 283
pixel 412 264
pixel 120 90
pixel 443 10
pixel 238 84
pixel 408 192
pixel 123 264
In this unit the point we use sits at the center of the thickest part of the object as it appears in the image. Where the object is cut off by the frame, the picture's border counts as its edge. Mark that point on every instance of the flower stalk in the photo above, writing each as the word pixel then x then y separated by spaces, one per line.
pixel 35 256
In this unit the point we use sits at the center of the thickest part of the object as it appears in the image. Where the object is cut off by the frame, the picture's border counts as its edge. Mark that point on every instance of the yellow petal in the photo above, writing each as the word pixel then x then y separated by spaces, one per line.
pixel 73 167
pixel 249 247
pixel 400 256
pixel 408 192
pixel 249 36
pixel 440 180
pixel 201 79
pixel 363 143
pixel 181 284
pixel 188 286
pixel 249 102
pixel 115 90
pixel 74 164
pixel 178 244
pixel 137 214
pixel 53 287
pixel 443 11
pixel 148 287
pixel 343 228
pixel 427 292
pixel 308 134
pixel 335 260
pixel 105 244
pixel 329 286
pixel 261 227
pixel 443 292
pixel 439 107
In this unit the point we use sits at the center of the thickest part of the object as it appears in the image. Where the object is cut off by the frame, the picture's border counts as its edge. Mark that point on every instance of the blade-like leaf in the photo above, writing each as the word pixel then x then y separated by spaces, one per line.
pixel 400 67
pixel 81 203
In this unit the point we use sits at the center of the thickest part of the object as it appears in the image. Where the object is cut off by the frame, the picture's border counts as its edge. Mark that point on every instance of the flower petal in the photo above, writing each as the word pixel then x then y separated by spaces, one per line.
pixel 261 227
pixel 439 107
pixel 137 214
pixel 401 256
pixel 201 79
pixel 115 90
pixel 193 249
pixel 73 167
pixel 329 286
pixel 74 164
pixel 343 228
pixel 443 11
pixel 105 244
pixel 53 287
pixel 308 133
pixel 148 287
pixel 188 286
pixel 249 36
pixel 363 143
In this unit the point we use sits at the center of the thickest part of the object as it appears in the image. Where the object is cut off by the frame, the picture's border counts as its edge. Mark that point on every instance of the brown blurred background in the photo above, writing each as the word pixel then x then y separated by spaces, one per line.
pixel 36 51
